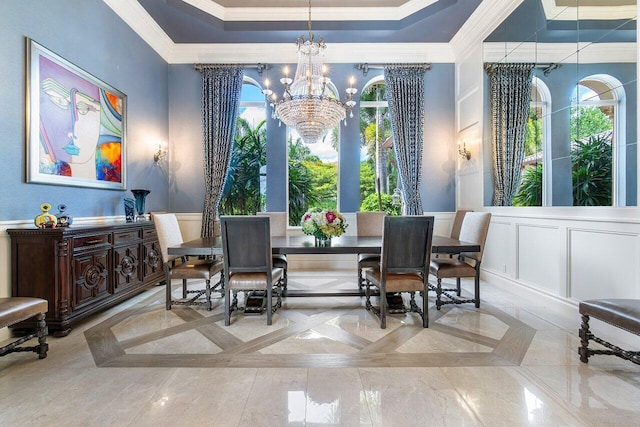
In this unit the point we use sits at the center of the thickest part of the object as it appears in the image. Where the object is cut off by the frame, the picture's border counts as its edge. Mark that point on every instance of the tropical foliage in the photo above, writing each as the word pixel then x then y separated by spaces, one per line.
pixel 530 190
pixel 372 204
pixel 592 171
pixel 241 192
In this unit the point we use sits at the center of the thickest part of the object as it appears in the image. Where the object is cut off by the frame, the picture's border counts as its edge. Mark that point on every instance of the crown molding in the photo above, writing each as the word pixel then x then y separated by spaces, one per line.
pixel 136 17
pixel 561 53
pixel 319 13
pixel 486 18
pixel 573 13
pixel 336 53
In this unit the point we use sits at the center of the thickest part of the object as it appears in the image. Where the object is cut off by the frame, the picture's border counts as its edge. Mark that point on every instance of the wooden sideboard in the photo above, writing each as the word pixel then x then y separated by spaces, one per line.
pixel 83 269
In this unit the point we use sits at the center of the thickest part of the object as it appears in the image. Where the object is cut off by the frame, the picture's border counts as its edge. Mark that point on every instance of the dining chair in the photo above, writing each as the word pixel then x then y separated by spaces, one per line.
pixel 368 224
pixel 278 225
pixel 248 264
pixel 455 230
pixel 475 227
pixel 183 268
pixel 404 264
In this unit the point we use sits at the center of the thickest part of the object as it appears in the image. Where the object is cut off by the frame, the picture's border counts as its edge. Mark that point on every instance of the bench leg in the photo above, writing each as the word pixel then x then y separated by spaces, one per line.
pixel 42 332
pixel 585 335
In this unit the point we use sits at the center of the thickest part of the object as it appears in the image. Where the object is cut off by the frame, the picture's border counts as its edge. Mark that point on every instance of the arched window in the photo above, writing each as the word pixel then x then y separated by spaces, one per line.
pixel 535 181
pixel 245 186
pixel 312 171
pixel 378 167
pixel 597 131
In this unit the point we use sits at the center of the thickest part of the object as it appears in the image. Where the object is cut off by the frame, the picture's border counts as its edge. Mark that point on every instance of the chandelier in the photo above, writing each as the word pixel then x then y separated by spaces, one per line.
pixel 307 104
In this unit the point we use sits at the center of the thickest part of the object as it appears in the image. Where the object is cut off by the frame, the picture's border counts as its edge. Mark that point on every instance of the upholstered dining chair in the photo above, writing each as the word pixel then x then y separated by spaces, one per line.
pixel 368 224
pixel 183 268
pixel 404 264
pixel 278 225
pixel 475 227
pixel 455 229
pixel 248 264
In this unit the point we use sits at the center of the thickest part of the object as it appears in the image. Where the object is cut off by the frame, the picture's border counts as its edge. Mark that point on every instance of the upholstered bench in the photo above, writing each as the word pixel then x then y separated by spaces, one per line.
pixel 17 309
pixel 622 313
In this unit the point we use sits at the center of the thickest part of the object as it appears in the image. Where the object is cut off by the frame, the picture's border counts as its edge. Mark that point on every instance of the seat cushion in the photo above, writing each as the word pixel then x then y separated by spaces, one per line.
pixel 395 282
pixel 623 313
pixel 253 281
pixel 280 261
pixel 197 269
pixel 17 309
pixel 445 267
pixel 368 258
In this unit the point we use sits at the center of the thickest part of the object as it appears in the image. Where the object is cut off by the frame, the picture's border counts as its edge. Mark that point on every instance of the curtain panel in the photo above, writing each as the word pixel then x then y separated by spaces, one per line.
pixel 405 94
pixel 221 88
pixel 510 95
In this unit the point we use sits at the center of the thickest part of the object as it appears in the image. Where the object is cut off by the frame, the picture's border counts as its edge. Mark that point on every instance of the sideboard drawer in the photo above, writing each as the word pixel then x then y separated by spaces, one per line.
pixel 125 236
pixel 150 233
pixel 92 240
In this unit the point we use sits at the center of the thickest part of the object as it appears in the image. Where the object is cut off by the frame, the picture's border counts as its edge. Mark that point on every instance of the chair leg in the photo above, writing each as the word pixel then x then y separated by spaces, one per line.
pixel 458 287
pixel 285 280
pixel 184 288
pixel 383 308
pixel 477 289
pixel 207 294
pixel 269 310
pixel 367 295
pixel 168 288
pixel 227 305
pixel 439 294
pixel 360 278
pixel 425 311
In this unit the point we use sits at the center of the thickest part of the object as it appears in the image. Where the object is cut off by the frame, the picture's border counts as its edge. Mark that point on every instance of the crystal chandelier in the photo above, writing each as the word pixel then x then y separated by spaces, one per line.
pixel 307 105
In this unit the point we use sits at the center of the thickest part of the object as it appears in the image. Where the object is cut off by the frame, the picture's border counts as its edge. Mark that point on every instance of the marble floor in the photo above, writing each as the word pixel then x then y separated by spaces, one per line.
pixel 324 361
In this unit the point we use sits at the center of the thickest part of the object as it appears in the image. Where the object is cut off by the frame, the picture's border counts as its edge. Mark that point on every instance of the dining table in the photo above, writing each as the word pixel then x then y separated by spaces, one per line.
pixel 212 246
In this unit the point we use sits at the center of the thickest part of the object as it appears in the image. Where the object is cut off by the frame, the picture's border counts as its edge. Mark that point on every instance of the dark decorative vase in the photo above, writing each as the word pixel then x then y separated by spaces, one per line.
pixel 140 196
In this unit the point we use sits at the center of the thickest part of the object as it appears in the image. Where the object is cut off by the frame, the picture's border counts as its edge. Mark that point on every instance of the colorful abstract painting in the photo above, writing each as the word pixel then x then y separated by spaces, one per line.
pixel 76 125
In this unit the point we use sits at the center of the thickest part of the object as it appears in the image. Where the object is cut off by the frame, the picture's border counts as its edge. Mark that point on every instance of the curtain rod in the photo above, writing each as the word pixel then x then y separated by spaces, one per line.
pixel 365 67
pixel 259 66
pixel 545 67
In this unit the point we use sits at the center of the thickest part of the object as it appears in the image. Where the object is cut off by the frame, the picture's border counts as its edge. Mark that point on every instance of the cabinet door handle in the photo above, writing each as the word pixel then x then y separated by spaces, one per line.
pixel 124 236
pixel 91 242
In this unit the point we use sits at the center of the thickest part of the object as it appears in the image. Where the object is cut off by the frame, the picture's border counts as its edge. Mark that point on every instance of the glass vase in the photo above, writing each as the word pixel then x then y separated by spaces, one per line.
pixel 323 242
pixel 140 196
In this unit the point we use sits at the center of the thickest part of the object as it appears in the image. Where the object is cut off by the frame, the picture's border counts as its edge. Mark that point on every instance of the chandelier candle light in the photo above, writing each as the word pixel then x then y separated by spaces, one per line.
pixel 307 105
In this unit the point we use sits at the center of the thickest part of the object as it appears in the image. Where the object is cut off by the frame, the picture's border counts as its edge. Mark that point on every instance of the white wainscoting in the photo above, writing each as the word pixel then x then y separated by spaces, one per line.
pixel 568 254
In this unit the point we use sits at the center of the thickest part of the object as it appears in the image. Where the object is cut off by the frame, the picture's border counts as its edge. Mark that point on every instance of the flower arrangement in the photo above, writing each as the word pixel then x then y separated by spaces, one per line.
pixel 323 224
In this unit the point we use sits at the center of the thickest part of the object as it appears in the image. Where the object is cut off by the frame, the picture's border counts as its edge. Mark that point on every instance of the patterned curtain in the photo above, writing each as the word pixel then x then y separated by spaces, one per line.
pixel 221 88
pixel 405 94
pixel 510 95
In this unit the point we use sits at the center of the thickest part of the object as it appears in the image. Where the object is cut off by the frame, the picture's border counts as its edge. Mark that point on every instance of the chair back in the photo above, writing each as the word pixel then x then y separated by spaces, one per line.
pixel 278 223
pixel 474 229
pixel 457 223
pixel 406 244
pixel 369 224
pixel 169 233
pixel 246 244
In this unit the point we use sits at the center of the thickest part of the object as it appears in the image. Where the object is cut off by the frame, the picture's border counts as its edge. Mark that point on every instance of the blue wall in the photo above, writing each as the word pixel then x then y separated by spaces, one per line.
pixel 90 35
pixel 438 177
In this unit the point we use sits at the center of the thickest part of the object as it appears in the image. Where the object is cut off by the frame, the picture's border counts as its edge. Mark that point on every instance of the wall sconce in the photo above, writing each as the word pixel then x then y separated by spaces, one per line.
pixel 463 152
pixel 161 154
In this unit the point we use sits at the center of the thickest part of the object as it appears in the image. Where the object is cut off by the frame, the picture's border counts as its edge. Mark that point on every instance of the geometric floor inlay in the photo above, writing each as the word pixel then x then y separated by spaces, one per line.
pixel 308 332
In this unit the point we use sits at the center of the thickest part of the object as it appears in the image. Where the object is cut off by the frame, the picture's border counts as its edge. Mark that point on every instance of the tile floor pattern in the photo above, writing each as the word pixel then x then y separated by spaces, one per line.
pixel 324 361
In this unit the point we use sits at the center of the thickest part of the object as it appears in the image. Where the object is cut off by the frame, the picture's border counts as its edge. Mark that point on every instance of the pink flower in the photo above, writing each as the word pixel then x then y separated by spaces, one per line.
pixel 306 217
pixel 330 216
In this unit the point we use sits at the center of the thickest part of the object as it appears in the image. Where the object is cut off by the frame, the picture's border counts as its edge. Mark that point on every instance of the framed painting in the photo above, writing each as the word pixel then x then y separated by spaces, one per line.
pixel 75 124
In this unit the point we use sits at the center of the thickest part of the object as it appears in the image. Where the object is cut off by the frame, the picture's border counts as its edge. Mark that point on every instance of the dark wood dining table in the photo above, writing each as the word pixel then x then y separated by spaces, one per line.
pixel 209 246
